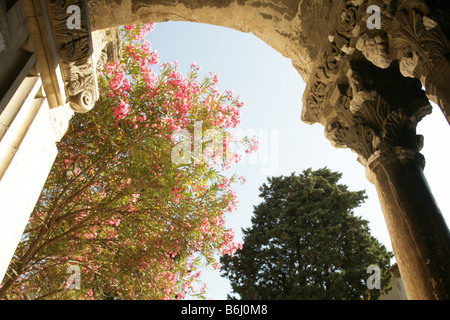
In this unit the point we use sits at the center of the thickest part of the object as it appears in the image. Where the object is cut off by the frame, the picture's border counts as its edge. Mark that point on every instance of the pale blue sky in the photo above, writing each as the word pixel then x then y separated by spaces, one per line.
pixel 272 91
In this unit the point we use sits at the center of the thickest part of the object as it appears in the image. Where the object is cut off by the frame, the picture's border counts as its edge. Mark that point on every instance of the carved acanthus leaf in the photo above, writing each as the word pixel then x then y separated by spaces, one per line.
pixel 372 125
pixel 357 137
pixel 399 130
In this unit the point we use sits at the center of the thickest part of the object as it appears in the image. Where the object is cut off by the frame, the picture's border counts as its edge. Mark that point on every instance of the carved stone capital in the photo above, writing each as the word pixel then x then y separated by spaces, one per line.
pixel 362 97
pixel 419 42
pixel 408 34
pixel 413 35
pixel 74 48
pixel 378 111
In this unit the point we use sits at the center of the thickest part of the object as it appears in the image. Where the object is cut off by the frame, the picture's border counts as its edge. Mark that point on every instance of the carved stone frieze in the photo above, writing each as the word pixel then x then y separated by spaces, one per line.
pixel 324 74
pixel 74 47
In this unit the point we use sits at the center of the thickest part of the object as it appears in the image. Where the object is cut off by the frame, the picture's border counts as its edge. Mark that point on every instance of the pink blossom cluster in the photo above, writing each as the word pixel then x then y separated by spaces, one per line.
pixel 139 33
pixel 122 110
pixel 253 145
pixel 185 212
pixel 229 246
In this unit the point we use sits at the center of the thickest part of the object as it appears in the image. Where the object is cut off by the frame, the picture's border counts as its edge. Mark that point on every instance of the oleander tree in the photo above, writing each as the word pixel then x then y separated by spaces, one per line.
pixel 305 243
pixel 134 206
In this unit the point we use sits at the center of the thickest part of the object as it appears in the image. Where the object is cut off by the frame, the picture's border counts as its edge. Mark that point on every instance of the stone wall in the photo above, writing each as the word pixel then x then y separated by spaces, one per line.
pixel 45 80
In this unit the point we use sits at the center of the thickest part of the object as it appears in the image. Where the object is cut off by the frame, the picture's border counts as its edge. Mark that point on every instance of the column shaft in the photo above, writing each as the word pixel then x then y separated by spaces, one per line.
pixel 419 234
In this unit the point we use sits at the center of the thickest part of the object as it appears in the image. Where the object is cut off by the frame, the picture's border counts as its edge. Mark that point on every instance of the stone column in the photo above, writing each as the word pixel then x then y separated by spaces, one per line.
pixel 375 114
pixel 417 229
pixel 358 91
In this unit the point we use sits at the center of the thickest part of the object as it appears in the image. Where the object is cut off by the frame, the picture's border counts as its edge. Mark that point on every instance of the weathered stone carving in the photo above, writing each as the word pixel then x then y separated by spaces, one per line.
pixel 375 49
pixel 413 36
pixel 75 49
pixel 408 34
pixel 111 42
pixel 420 43
pixel 376 110
pixel 341 45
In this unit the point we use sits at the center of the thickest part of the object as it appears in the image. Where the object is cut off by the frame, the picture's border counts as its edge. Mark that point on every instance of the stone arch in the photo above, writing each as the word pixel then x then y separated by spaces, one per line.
pixel 288 26
pixel 310 32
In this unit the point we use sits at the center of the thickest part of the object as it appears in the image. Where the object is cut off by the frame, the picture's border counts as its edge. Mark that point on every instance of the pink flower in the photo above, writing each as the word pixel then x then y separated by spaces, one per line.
pixel 253 145
pixel 126 85
pixel 111 67
pixel 117 81
pixel 116 222
pixel 122 110
pixel 149 76
pixel 176 78
pixel 149 26
pixel 216 79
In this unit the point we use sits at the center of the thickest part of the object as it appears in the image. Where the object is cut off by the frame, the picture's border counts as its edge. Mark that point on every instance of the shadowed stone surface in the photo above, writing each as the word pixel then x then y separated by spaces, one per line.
pixel 296 29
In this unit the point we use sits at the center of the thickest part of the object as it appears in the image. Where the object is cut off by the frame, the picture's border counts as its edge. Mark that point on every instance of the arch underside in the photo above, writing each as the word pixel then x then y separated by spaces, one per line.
pixel 296 29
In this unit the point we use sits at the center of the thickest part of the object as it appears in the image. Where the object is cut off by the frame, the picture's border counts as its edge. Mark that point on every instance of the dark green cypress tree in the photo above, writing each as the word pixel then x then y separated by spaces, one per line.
pixel 306 243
